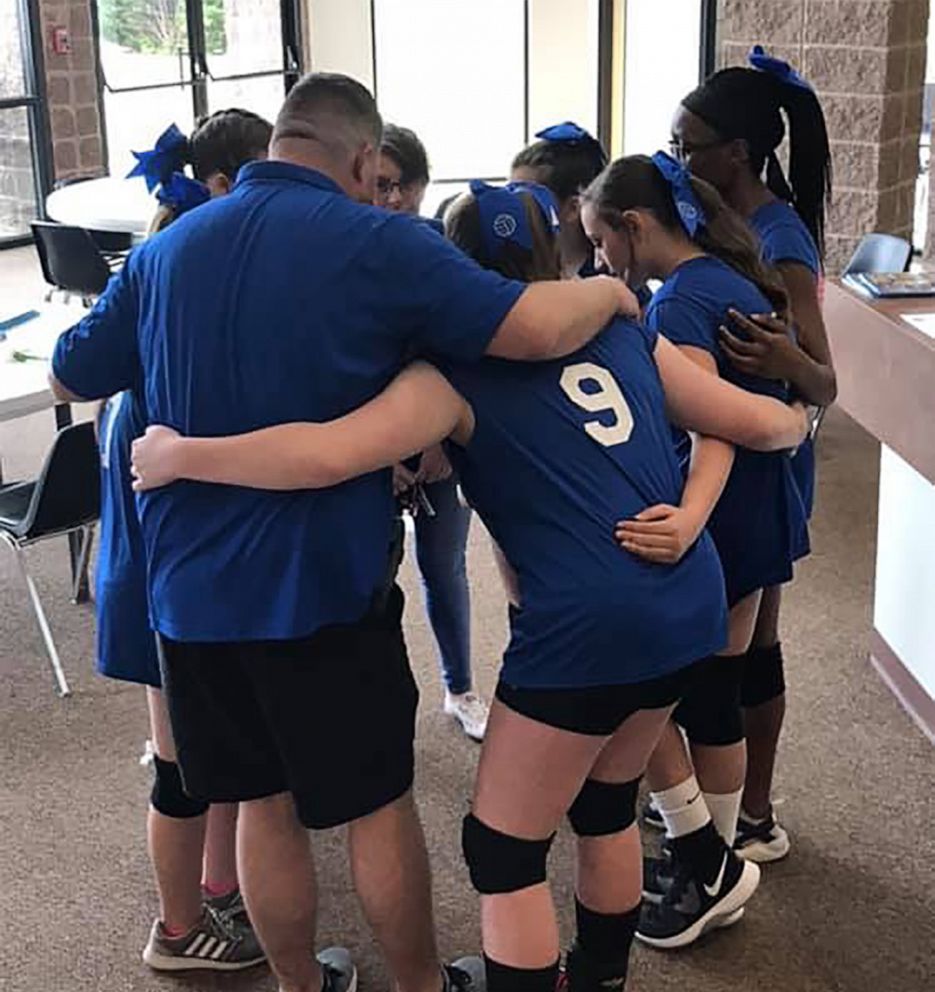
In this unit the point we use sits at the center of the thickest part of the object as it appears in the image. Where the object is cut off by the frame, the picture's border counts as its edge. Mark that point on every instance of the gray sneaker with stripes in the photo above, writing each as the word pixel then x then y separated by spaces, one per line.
pixel 216 943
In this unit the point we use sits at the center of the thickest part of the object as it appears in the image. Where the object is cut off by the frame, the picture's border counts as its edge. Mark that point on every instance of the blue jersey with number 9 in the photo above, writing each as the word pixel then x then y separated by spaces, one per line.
pixel 561 451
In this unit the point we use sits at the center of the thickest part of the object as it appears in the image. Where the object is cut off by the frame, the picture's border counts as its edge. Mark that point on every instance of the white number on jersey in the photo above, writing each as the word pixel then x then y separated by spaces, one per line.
pixel 607 397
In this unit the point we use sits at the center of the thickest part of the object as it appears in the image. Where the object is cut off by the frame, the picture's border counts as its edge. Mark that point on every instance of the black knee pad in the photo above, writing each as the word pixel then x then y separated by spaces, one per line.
pixel 603 808
pixel 710 711
pixel 499 863
pixel 764 677
pixel 169 796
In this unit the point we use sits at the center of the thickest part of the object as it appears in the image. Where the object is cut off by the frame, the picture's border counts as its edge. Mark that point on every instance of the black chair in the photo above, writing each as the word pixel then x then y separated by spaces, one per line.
pixel 70 260
pixel 880 253
pixel 64 500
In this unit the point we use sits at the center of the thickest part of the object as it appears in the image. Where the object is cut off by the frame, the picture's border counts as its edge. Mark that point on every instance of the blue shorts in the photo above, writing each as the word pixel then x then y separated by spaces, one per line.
pixel 803 471
pixel 759 525
pixel 126 647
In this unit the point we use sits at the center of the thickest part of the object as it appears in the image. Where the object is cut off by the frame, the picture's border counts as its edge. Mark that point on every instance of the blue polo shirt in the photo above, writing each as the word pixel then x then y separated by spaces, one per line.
pixel 283 301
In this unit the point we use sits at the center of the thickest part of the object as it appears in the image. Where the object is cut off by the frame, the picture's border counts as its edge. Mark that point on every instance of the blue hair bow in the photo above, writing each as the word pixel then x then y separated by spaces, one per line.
pixel 182 194
pixel 503 217
pixel 689 210
pixel 158 164
pixel 571 133
pixel 776 67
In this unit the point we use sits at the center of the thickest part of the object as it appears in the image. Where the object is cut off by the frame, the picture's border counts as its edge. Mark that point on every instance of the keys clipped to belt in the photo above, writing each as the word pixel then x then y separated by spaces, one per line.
pixel 415 501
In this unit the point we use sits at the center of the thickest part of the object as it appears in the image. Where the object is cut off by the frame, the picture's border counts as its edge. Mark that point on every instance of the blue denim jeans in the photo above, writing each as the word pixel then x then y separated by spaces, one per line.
pixel 440 552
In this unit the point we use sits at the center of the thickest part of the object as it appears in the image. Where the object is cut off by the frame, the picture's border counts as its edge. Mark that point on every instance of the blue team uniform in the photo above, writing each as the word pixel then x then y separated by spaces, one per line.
pixel 759 523
pixel 126 646
pixel 785 238
pixel 550 479
pixel 359 289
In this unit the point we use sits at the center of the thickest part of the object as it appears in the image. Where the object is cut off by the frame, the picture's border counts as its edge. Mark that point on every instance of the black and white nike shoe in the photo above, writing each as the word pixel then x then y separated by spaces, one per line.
pixel 692 905
pixel 658 874
pixel 761 841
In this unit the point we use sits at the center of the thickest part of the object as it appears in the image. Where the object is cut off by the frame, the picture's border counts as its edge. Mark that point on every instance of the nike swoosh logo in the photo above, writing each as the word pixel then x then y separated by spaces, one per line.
pixel 713 890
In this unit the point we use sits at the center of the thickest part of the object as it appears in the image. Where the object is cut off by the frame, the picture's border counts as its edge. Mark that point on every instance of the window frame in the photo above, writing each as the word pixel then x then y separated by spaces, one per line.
pixel 34 101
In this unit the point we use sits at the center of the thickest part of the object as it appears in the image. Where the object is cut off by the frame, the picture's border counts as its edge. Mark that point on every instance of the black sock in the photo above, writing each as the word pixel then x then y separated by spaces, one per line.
pixel 605 935
pixel 702 851
pixel 506 978
pixel 601 954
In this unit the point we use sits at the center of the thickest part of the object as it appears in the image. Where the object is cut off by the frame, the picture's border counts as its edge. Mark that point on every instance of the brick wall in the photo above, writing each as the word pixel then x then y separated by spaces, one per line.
pixel 71 81
pixel 866 59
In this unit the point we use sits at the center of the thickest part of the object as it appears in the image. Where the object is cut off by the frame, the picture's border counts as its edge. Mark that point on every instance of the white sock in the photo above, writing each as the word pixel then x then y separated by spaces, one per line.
pixel 725 808
pixel 682 808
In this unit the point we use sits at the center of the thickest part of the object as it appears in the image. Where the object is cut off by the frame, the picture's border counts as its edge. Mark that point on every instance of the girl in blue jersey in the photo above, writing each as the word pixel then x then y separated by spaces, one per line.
pixel 651 220
pixel 550 454
pixel 727 131
pixel 191 846
pixel 565 159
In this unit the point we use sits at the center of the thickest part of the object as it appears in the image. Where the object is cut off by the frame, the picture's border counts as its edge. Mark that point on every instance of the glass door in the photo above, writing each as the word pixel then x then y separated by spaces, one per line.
pixel 24 162
pixel 165 61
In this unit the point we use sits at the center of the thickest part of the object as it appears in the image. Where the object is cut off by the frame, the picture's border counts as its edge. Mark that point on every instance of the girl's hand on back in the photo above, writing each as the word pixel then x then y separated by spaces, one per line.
pixel 433 466
pixel 661 534
pixel 768 350
pixel 154 458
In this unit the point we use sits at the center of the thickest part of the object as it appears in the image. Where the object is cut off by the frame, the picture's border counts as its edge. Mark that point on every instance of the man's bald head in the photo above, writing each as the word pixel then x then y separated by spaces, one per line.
pixel 329 118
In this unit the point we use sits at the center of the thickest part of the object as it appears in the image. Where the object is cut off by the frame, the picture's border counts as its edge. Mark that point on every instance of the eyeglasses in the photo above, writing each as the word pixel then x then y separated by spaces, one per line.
pixel 386 187
pixel 683 150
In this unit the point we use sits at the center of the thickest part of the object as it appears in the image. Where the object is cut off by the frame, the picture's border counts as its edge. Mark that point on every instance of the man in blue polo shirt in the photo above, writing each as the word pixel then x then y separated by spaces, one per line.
pixel 284 663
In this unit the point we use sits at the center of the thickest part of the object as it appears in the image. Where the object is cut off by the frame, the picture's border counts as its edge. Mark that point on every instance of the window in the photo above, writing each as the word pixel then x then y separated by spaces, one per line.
pixel 661 65
pixel 456 74
pixel 24 171
pixel 166 61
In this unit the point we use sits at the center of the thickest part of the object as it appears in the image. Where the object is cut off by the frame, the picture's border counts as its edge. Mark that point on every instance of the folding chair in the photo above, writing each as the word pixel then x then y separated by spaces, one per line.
pixel 64 500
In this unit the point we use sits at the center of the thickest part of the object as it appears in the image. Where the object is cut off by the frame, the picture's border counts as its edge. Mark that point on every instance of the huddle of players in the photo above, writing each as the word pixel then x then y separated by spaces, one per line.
pixel 628 557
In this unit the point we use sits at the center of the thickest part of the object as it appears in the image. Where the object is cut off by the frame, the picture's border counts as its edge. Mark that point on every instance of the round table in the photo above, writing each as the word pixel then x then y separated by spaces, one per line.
pixel 107 204
pixel 24 386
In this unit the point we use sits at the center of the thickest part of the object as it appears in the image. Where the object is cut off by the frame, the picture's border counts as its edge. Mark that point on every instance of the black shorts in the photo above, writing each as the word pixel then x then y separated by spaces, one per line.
pixel 595 710
pixel 329 718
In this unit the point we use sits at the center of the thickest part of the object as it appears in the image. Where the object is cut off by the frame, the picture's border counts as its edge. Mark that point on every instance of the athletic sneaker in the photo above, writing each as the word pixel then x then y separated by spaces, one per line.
pixel 652 817
pixel 658 875
pixel 470 711
pixel 230 906
pixel 216 943
pixel 692 906
pixel 465 975
pixel 761 841
pixel 340 974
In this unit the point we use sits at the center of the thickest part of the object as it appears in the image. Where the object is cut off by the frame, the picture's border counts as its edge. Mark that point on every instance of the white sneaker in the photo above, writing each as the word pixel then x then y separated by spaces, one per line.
pixel 470 711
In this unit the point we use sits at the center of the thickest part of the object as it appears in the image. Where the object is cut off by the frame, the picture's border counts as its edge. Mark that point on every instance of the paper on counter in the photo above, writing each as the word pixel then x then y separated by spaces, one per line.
pixel 924 322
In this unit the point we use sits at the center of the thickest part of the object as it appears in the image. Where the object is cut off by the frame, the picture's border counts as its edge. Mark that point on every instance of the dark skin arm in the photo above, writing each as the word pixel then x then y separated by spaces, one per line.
pixel 772 353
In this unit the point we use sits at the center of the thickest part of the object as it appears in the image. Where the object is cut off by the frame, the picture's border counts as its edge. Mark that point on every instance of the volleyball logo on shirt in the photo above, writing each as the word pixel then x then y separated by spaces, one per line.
pixel 504 225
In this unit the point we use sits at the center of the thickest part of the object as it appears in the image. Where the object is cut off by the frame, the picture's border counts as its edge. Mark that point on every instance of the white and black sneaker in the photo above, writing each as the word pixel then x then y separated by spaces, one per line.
pixel 215 943
pixel 692 905
pixel 652 817
pixel 761 841
pixel 468 974
pixel 658 875
pixel 339 971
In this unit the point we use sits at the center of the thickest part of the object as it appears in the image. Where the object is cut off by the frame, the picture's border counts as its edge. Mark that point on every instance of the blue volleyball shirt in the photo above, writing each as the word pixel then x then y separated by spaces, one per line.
pixel 758 524
pixel 126 646
pixel 561 451
pixel 785 238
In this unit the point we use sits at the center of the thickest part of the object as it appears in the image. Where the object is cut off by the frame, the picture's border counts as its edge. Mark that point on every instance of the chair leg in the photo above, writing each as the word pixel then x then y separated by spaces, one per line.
pixel 39 613
pixel 79 583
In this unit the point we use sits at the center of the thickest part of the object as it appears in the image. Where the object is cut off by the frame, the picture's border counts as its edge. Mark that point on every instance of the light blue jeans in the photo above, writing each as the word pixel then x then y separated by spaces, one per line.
pixel 440 551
